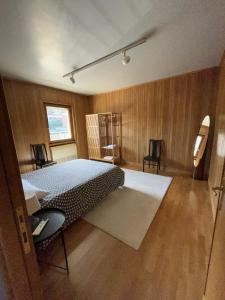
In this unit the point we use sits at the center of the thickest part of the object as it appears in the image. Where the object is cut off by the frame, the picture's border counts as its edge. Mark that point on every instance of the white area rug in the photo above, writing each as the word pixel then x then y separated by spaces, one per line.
pixel 128 212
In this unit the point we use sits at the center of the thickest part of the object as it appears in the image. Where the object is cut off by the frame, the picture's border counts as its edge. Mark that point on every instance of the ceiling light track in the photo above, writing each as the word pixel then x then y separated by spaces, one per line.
pixel 125 59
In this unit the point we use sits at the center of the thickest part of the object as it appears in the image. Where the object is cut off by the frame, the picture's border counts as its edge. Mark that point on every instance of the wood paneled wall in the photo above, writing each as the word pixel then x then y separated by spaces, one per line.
pixel 170 109
pixel 28 121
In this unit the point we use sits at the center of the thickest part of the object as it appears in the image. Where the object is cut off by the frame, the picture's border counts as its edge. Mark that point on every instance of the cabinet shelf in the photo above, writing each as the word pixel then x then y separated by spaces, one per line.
pixel 104 134
pixel 110 147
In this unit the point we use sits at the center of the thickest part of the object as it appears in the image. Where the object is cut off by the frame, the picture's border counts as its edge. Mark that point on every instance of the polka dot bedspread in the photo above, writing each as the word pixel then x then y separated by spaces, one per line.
pixel 76 186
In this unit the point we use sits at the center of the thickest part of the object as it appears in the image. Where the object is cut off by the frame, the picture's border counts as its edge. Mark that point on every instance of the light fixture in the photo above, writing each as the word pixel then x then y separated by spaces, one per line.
pixel 72 79
pixel 125 59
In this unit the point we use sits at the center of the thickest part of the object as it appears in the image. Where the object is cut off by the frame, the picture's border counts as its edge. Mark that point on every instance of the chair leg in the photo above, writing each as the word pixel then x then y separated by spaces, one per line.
pixel 157 168
pixel 143 165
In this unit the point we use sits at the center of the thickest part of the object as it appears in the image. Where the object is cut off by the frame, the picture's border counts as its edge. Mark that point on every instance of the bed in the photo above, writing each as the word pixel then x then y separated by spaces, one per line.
pixel 76 186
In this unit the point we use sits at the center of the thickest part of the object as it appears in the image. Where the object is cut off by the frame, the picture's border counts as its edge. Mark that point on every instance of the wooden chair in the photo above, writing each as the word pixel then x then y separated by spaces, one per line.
pixel 154 152
pixel 41 156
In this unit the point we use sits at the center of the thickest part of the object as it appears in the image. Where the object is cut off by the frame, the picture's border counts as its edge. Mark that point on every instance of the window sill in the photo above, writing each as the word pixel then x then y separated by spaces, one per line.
pixel 61 143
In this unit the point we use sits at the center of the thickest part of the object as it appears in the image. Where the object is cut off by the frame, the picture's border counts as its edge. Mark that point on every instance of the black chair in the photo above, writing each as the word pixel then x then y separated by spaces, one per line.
pixel 154 152
pixel 41 156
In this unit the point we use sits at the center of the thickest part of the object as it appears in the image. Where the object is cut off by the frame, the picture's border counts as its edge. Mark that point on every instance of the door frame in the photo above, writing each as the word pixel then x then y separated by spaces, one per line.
pixel 16 243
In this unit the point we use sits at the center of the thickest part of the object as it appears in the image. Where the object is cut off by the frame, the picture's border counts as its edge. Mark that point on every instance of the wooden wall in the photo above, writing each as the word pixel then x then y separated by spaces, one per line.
pixel 28 121
pixel 171 109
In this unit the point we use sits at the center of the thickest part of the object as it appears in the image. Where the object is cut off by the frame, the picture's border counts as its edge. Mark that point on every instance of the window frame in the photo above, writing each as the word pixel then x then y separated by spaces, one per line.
pixel 65 141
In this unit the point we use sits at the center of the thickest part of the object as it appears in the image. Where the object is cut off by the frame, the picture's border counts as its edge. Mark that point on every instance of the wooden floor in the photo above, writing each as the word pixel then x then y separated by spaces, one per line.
pixel 170 264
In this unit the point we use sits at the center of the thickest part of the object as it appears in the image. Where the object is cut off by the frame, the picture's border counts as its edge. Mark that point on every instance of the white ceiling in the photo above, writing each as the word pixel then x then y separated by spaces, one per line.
pixel 40 40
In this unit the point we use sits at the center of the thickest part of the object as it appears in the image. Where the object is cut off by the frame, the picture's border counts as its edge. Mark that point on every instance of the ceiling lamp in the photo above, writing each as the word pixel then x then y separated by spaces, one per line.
pixel 125 60
pixel 72 79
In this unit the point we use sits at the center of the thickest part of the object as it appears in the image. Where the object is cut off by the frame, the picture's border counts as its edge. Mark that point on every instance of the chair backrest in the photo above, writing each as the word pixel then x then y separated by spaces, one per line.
pixel 40 153
pixel 155 148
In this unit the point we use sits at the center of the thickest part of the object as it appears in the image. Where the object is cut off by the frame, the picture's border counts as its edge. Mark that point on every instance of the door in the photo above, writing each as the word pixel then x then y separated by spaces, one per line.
pixel 19 275
pixel 215 285
pixel 218 151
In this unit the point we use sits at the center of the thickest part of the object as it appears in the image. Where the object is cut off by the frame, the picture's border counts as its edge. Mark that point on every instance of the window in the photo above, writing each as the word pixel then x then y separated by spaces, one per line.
pixel 59 123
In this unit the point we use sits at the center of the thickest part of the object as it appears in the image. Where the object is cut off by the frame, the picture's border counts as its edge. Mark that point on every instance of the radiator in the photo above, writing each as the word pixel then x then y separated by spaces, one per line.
pixel 64 153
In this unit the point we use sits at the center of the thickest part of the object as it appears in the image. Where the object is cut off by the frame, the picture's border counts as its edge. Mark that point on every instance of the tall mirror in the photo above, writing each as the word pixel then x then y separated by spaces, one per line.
pixel 200 149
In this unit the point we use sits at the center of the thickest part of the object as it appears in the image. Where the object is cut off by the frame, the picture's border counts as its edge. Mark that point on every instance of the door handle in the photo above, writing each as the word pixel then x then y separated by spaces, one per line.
pixel 23 230
pixel 217 188
pixel 220 199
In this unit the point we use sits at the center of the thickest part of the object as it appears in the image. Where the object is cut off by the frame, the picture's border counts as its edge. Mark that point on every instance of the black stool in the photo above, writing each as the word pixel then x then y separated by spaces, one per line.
pixel 56 219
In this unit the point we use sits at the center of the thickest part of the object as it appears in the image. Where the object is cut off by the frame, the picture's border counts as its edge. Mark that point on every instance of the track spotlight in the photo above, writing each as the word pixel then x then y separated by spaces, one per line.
pixel 125 59
pixel 72 79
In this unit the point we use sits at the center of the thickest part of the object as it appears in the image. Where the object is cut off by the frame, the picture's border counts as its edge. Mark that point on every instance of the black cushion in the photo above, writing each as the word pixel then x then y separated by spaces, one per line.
pixel 46 164
pixel 150 158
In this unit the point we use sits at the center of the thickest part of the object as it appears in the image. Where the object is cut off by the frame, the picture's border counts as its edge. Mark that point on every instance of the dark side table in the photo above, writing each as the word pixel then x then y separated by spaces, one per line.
pixel 56 219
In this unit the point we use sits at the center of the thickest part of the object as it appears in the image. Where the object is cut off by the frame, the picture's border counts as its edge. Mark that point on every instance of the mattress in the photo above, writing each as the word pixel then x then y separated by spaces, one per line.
pixel 76 186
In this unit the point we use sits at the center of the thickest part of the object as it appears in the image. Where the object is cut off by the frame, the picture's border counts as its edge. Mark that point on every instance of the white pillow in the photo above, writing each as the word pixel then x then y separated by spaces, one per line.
pixel 30 188
pixel 32 203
